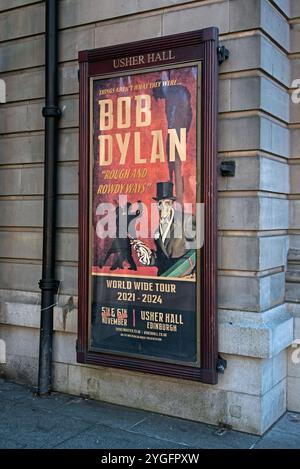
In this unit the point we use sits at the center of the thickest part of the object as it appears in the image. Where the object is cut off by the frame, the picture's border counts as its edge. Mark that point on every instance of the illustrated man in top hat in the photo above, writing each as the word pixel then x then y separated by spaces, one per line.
pixel 174 238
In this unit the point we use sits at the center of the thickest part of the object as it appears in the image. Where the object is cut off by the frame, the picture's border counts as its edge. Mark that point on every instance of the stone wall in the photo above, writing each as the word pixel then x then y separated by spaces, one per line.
pixel 258 128
pixel 293 270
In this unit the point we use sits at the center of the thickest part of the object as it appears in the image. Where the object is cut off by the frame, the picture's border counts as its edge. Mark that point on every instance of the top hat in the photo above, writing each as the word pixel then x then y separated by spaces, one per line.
pixel 164 190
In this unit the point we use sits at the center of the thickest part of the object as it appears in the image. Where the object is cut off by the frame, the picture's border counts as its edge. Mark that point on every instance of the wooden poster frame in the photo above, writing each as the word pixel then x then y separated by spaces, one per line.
pixel 197 46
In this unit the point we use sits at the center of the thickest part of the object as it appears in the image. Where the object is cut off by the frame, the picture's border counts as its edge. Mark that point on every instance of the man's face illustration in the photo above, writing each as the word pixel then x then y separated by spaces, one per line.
pixel 165 208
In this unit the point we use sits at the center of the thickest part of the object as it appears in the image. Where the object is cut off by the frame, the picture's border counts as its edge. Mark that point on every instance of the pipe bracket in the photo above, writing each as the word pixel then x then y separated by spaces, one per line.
pixel 51 111
pixel 49 284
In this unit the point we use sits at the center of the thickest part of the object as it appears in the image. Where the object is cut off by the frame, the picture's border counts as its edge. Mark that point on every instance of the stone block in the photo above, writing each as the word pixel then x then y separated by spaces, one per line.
pixel 294 214
pixel 251 253
pixel 246 375
pixel 15 89
pixel 239 134
pixel 250 293
pixel 21 341
pixel 75 380
pixel 19 314
pixel 252 375
pixel 197 17
pixel 292 292
pixel 294 112
pixel 244 14
pixel 9 4
pixel 273 251
pixel 224 94
pixel 279 367
pixel 70 112
pixel 259 93
pixel 22 181
pixel 30 213
pixel 274 137
pixel 294 361
pixel 297 328
pixel 68 276
pixel 274 99
pixel 256 173
pixel 20 244
pixel 274 61
pixel 25 277
pixel 28 245
pixel 20 369
pixel 272 289
pixel 253 14
pixel 67 246
pixel 21 212
pixel 295 178
pixel 15 312
pixel 284 5
pixel 69 145
pixel 67 212
pixel 128 31
pixel 238 213
pixel 253 133
pixel 68 179
pixel 295 37
pixel 254 52
pixel 245 93
pixel 60 377
pixel 168 396
pixel 295 142
pixel 274 176
pixel 294 241
pixel 22 149
pixel 273 405
pixel 22 22
pixel 255 335
pixel 13 118
pixel 65 318
pixel 275 24
pixel 22 117
pixel 247 175
pixel 293 393
pixel 64 348
pixel 238 253
pixel 295 8
pixel 74 40
pixel 255 413
pixel 76 12
pixel 16 55
pixel 273 213
pixel 244 53
pixel 19 276
pixel 253 213
pixel 295 68
pixel 68 79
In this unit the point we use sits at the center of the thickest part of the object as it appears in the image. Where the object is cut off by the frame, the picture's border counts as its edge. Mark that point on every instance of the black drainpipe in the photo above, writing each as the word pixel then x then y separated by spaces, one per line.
pixel 51 113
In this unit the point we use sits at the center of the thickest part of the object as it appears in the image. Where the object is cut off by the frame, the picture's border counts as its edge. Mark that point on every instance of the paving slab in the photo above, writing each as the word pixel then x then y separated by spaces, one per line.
pixel 105 437
pixel 106 414
pixel 64 421
pixel 279 440
pixel 34 427
pixel 195 434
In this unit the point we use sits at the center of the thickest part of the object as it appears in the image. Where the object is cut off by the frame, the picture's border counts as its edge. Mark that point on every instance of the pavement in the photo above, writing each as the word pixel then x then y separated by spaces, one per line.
pixel 63 421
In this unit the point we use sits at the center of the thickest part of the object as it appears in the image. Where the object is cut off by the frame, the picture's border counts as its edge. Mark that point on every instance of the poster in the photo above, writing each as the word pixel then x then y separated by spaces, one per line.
pixel 145 178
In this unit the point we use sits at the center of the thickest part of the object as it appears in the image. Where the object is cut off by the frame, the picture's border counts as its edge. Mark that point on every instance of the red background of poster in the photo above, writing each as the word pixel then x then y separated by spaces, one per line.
pixel 158 171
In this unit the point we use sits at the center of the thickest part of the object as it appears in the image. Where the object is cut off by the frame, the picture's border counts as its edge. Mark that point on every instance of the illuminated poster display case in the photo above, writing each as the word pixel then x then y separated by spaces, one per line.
pixel 147 206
